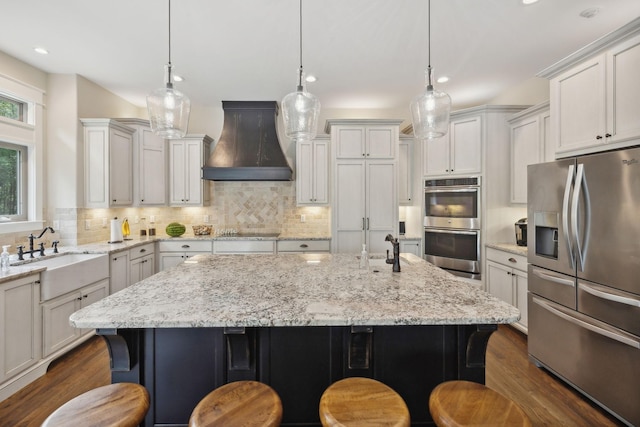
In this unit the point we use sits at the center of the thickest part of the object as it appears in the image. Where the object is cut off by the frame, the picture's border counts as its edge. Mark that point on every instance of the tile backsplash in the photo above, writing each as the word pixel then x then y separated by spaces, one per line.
pixel 246 206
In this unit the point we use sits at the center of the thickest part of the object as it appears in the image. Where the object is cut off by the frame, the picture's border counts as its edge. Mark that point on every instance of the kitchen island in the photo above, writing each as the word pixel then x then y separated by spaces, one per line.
pixel 297 322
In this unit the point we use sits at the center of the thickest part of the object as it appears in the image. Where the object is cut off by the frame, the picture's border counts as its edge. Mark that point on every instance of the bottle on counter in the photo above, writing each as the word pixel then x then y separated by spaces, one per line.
pixel 364 258
pixel 4 259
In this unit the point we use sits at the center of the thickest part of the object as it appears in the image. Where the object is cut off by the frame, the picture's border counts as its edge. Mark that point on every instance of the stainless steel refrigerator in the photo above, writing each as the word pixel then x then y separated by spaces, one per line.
pixel 584 276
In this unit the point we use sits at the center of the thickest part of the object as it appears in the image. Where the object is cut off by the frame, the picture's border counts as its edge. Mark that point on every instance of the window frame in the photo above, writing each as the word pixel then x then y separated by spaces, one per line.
pixel 28 133
pixel 23 181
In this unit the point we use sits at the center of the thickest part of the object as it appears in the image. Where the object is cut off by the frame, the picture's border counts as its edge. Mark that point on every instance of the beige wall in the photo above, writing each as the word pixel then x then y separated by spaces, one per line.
pixel 530 92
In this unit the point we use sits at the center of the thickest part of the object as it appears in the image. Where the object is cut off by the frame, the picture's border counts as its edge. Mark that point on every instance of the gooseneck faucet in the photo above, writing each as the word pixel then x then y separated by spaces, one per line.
pixel 31 250
pixel 396 253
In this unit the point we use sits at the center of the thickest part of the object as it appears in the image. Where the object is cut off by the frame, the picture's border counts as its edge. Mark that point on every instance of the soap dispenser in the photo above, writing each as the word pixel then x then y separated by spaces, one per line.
pixel 4 259
pixel 364 258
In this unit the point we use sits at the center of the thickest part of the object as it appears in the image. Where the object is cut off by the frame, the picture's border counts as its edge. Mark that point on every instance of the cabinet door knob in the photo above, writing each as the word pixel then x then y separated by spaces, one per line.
pixel 608 135
pixel 599 137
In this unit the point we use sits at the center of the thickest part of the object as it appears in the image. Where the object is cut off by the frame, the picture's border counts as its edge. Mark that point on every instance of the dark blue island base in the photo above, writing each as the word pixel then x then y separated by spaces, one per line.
pixel 179 366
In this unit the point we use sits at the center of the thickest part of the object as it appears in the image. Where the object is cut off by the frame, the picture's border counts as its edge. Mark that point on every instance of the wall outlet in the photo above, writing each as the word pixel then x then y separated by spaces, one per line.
pixel 303 218
pixel 207 219
pixel 87 224
pixel 136 220
pixel 104 223
pixel 56 225
pixel 152 218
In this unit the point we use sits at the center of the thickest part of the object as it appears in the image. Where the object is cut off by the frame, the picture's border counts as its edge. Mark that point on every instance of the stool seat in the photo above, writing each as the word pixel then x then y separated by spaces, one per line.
pixel 362 402
pixel 240 403
pixel 120 404
pixel 465 403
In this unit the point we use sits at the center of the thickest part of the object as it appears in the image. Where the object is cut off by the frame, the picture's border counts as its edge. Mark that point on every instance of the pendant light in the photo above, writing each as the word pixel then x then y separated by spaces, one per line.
pixel 430 110
pixel 168 108
pixel 300 109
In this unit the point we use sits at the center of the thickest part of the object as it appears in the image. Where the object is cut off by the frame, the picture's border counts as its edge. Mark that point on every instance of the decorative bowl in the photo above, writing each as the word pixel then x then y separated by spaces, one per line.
pixel 201 230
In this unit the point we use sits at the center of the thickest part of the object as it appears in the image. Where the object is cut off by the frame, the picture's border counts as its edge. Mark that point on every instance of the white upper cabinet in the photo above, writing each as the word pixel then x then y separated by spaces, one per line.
pixel 377 140
pixel 457 153
pixel 186 157
pixel 150 164
pixel 528 136
pixel 595 102
pixel 108 163
pixel 312 171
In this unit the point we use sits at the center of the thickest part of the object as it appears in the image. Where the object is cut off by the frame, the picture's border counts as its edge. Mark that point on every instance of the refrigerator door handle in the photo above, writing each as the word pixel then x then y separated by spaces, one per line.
pixel 588 325
pixel 554 279
pixel 580 189
pixel 565 214
pixel 609 296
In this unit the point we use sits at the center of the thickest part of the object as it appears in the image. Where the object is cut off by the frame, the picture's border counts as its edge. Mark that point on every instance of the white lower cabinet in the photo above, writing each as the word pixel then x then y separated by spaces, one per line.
pixel 303 246
pixel 56 330
pixel 119 271
pixel 20 329
pixel 142 262
pixel 172 253
pixel 506 276
pixel 411 246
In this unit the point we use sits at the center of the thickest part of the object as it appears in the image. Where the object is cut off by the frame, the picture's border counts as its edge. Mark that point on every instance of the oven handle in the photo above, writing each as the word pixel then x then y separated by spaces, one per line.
pixel 438 230
pixel 452 190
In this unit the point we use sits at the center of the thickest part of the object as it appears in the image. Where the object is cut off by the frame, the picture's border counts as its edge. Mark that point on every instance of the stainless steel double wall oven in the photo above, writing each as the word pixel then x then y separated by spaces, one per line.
pixel 452 224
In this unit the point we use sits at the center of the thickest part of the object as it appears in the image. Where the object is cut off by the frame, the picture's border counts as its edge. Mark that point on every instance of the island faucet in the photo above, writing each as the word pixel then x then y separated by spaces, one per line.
pixel 396 253
pixel 31 251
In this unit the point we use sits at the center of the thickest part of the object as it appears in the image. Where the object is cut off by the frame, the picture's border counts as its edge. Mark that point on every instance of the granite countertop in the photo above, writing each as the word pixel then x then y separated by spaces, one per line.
pixel 509 247
pixel 295 290
pixel 28 266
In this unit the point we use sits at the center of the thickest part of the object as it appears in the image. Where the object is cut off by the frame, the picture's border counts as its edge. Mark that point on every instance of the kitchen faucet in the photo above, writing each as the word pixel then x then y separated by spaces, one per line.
pixel 396 253
pixel 31 251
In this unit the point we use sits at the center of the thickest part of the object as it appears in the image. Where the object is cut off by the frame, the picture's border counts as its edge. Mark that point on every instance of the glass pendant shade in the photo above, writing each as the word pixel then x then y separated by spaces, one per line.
pixel 430 112
pixel 300 111
pixel 168 110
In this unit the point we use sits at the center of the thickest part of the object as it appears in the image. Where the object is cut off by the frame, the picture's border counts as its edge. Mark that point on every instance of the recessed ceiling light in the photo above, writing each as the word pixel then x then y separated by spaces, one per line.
pixel 177 78
pixel 41 50
pixel 590 13
pixel 442 79
pixel 311 78
pixel 529 1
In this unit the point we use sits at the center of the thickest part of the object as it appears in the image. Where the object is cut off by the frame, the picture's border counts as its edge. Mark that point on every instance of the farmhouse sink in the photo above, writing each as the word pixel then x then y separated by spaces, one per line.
pixel 69 272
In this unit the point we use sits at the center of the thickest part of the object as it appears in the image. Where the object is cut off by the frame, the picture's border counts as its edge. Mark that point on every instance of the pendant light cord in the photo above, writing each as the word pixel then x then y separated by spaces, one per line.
pixel 169 32
pixel 300 71
pixel 429 82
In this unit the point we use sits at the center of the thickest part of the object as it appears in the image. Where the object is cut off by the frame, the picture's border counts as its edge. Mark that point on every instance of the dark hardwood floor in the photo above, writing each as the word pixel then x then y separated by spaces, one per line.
pixel 546 400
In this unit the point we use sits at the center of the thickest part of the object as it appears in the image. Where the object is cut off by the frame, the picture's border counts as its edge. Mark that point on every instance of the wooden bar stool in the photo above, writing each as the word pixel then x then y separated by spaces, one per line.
pixel 465 403
pixel 362 402
pixel 120 404
pixel 240 403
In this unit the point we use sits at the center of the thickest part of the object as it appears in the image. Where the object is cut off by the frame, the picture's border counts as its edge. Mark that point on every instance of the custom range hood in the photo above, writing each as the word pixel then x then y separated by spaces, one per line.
pixel 248 149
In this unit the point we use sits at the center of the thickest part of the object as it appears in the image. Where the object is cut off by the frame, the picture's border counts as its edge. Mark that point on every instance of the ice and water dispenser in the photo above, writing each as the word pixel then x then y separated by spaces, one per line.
pixel 546 234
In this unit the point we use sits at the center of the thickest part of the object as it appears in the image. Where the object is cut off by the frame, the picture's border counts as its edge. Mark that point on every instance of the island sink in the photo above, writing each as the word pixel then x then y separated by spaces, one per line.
pixel 68 272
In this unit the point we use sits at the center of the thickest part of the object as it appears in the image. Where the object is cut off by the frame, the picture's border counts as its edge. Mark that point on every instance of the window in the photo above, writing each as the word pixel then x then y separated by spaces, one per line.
pixel 13 182
pixel 12 109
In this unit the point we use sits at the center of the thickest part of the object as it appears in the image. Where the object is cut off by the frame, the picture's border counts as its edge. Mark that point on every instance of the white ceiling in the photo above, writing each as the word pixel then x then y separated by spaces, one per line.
pixel 365 53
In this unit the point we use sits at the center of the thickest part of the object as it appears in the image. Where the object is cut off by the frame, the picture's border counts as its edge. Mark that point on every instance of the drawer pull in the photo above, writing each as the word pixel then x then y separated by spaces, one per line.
pixel 512 260
pixel 185 246
pixel 143 251
pixel 304 245
pixel 609 296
